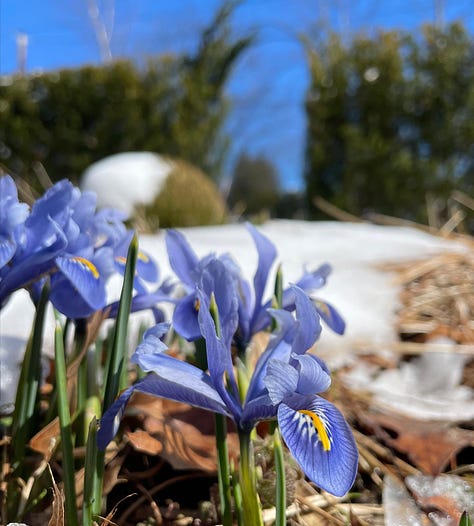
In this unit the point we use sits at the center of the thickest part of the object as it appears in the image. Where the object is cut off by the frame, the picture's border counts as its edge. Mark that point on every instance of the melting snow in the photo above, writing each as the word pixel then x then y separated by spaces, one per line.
pixel 364 294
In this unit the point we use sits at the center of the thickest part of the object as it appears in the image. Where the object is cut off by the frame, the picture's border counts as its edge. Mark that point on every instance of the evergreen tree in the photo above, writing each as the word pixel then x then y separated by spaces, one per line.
pixel 390 119
pixel 255 186
pixel 70 118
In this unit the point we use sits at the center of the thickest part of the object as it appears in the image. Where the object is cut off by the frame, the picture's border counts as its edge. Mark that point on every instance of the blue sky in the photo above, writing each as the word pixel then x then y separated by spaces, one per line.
pixel 268 84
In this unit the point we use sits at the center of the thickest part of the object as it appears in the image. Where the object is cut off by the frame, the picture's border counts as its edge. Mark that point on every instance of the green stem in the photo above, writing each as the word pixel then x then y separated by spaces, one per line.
pixel 223 470
pixel 280 501
pixel 252 512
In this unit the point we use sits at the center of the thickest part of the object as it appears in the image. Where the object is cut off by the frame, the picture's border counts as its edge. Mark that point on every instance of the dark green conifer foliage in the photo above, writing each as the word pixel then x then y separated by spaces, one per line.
pixel 173 105
pixel 390 119
pixel 255 186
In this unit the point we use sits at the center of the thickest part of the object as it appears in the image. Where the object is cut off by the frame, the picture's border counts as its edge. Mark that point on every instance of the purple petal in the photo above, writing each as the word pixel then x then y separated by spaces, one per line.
pixel 257 409
pixel 314 279
pixel 266 256
pixel 190 390
pixel 281 380
pixel 7 249
pixel 309 326
pixel 322 443
pixel 151 344
pixel 330 315
pixel 313 374
pixel 183 259
pixel 84 277
pixel 185 318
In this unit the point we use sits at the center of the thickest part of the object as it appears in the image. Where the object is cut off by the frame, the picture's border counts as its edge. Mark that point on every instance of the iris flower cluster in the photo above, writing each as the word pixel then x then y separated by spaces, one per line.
pixel 64 238
pixel 287 380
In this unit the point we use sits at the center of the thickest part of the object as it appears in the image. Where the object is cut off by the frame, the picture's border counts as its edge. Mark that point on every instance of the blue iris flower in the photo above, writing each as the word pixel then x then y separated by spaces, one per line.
pixel 253 311
pixel 12 216
pixel 66 239
pixel 284 385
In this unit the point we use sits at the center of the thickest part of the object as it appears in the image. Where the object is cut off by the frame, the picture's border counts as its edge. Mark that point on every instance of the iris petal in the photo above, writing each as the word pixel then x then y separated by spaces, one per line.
pixel 185 319
pixel 84 277
pixel 152 343
pixel 330 315
pixel 281 380
pixel 322 443
pixel 7 249
pixel 313 374
pixel 266 256
pixel 183 387
pixel 309 325
pixel 183 259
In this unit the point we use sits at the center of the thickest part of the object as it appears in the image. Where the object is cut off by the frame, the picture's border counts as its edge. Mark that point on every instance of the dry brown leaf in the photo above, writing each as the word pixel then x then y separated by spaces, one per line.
pixel 46 439
pixel 429 445
pixel 444 503
pixel 144 442
pixel 57 515
pixel 185 433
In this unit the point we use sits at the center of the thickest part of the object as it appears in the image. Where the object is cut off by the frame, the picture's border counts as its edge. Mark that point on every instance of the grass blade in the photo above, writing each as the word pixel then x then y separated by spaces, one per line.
pixel 65 428
pixel 280 500
pixel 23 425
pixel 115 363
pixel 89 470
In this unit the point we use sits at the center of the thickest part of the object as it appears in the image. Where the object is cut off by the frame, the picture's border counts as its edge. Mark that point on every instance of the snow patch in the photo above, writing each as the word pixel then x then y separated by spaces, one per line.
pixel 126 179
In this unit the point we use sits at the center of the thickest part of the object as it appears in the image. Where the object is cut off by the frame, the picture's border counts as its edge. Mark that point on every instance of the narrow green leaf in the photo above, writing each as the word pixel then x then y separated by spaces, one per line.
pixel 116 361
pixel 25 414
pixel 89 473
pixel 65 428
pixel 119 347
pixel 465 520
pixel 280 501
pixel 223 471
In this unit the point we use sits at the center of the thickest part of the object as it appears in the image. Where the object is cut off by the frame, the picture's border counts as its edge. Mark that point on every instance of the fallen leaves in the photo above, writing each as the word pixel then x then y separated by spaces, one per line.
pixel 430 446
pixel 180 434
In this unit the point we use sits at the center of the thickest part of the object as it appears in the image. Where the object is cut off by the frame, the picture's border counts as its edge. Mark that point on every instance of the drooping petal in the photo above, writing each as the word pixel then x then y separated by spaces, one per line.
pixel 29 266
pixel 190 390
pixel 330 315
pixel 315 279
pixel 183 259
pixel 85 277
pixel 110 421
pixel 152 343
pixel 179 381
pixel 321 441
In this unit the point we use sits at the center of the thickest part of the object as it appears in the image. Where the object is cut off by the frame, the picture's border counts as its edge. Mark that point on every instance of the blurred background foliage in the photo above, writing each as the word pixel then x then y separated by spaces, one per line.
pixel 390 120
pixel 174 105
pixel 188 198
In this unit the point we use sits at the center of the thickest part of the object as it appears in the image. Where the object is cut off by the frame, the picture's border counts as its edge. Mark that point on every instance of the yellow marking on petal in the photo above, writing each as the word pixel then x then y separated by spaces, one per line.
pixel 318 424
pixel 90 266
pixel 142 256
pixel 322 306
pixel 197 305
